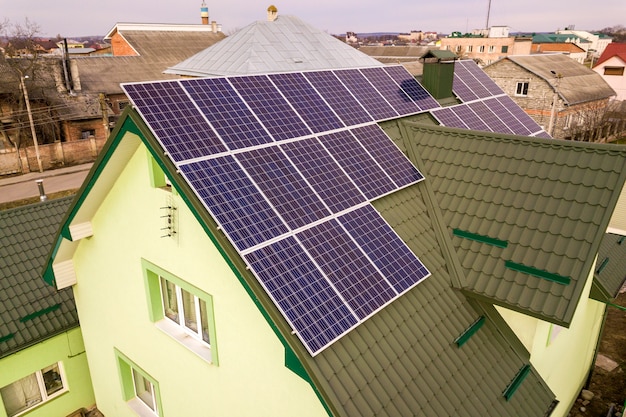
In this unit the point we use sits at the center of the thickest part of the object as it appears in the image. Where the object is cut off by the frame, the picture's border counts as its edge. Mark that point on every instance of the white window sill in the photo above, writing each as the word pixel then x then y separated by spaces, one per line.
pixel 140 408
pixel 40 403
pixel 182 337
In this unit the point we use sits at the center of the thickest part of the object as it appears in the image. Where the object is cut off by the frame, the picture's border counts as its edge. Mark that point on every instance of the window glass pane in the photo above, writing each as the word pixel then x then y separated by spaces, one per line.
pixel 189 306
pixel 204 321
pixel 170 304
pixel 21 395
pixel 144 390
pixel 52 379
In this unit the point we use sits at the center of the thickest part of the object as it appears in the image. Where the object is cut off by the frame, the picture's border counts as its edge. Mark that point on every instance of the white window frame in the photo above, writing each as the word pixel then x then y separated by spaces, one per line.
pixel 491 49
pixel 45 397
pixel 521 88
pixel 481 48
pixel 139 399
pixel 470 48
pixel 134 397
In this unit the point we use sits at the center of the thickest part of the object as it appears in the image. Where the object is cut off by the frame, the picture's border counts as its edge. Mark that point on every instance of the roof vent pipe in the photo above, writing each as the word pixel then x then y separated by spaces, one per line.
pixel 42 193
pixel 272 13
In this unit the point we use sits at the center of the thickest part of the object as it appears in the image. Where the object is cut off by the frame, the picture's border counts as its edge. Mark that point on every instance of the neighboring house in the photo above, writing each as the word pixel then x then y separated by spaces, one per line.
pixel 568 99
pixel 562 38
pixel 43 365
pixel 237 286
pixel 408 56
pixel 597 41
pixel 611 66
pixel 486 46
pixel 572 50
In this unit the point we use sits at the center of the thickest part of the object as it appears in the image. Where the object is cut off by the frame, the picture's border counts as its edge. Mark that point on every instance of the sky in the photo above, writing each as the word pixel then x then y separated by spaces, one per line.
pixel 89 17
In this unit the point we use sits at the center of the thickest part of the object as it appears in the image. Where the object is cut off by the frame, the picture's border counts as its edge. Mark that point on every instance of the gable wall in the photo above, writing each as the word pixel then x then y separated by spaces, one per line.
pixel 121 47
pixel 617 82
pixel 250 379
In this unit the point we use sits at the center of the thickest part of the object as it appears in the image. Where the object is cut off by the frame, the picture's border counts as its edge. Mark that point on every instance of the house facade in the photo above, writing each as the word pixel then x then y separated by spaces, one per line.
pixel 611 66
pixel 43 364
pixel 568 99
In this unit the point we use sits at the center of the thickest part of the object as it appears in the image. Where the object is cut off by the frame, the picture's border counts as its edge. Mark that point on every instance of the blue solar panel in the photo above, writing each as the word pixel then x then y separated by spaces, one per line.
pixel 358 164
pixel 481 76
pixel 233 200
pixel 383 246
pixel 409 84
pixel 270 107
pixel 302 293
pixel 460 88
pixel 323 174
pixel 175 120
pixel 338 97
pixel 387 154
pixel 283 186
pixel 231 118
pixel 499 105
pixel 489 117
pixel 464 77
pixel 528 122
pixel 307 102
pixel 470 118
pixel 356 279
pixel 447 117
pixel 392 92
pixel 367 95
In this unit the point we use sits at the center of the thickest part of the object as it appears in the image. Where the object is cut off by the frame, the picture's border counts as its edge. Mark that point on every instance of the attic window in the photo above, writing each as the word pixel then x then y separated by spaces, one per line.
pixel 613 70
pixel 516 382
pixel 539 273
pixel 470 331
pixel 521 89
pixel 480 238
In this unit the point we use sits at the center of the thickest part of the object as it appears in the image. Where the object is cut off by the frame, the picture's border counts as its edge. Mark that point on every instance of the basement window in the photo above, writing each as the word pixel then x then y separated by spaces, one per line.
pixel 614 71
pixel 521 89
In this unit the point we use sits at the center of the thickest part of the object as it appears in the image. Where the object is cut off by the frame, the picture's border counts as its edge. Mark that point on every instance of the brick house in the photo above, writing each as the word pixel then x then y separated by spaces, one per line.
pixel 486 46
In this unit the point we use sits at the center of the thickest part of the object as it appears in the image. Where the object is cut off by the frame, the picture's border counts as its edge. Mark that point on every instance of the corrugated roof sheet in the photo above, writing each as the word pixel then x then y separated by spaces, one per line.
pixel 577 83
pixel 285 44
pixel 610 270
pixel 31 310
pixel 549 201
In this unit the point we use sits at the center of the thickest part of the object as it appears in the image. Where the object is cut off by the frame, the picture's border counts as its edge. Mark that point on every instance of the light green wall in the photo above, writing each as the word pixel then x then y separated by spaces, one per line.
pixel 251 379
pixel 66 348
pixel 564 360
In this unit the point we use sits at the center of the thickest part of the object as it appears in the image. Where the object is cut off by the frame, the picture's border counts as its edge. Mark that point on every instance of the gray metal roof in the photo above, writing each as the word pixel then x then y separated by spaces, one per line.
pixel 285 44
pixel 31 310
pixel 577 83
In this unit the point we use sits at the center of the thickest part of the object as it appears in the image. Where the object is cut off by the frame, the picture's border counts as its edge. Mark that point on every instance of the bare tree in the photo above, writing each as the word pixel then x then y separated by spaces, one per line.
pixel 597 122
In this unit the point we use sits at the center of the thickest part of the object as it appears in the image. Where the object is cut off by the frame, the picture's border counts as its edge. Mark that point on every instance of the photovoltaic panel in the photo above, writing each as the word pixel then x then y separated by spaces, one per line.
pixel 307 102
pixel 174 119
pixel 283 186
pixel 338 97
pixel 302 293
pixel 447 117
pixel 387 154
pixel 392 92
pixel 489 117
pixel 358 164
pixel 231 118
pixel 528 122
pixel 270 107
pixel 323 174
pixel 347 268
pixel 481 76
pixel 409 84
pixel 384 247
pixel 509 118
pixel 470 118
pixel 367 95
pixel 233 200
pixel 469 88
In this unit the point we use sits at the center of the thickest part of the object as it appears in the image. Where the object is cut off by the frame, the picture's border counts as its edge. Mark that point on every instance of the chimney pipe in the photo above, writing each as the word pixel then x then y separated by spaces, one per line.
pixel 204 13
pixel 42 193
pixel 272 13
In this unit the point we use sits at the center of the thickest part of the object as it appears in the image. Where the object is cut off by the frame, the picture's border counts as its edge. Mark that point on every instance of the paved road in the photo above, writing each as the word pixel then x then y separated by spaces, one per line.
pixel 25 186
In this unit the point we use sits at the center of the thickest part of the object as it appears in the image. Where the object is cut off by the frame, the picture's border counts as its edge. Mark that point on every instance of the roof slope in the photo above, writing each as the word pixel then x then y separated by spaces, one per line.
pixel 525 213
pixel 577 83
pixel 157 50
pixel 285 44
pixel 31 310
pixel 613 49
pixel 610 272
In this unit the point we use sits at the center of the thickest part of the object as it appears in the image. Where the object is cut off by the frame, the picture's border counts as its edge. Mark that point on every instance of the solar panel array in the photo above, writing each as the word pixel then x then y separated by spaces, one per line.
pixel 485 106
pixel 288 165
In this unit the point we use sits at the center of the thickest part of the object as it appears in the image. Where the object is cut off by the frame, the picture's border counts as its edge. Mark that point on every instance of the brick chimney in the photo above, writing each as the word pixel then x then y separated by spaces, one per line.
pixel 272 13
pixel 204 13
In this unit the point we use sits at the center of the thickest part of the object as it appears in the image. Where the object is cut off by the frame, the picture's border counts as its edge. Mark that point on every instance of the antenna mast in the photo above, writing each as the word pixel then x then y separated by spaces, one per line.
pixel 488 11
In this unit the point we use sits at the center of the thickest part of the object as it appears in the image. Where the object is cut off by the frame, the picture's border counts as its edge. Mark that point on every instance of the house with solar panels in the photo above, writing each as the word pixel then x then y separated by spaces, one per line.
pixel 326 241
pixel 43 365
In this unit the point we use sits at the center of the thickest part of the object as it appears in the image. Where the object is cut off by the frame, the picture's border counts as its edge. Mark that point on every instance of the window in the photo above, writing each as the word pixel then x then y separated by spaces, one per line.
pixel 521 88
pixel 505 49
pixel 88 133
pixel 34 389
pixel 139 389
pixel 491 48
pixel 470 48
pixel 457 48
pixel 181 310
pixel 613 70
pixel 121 105
pixel 481 48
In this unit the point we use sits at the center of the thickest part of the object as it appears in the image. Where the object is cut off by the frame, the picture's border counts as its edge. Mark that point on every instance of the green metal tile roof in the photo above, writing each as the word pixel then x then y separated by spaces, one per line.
pixel 549 200
pixel 610 270
pixel 31 310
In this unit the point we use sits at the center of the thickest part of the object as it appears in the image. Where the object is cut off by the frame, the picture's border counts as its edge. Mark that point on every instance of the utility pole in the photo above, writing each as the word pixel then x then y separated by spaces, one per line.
pixel 488 12
pixel 555 99
pixel 30 119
